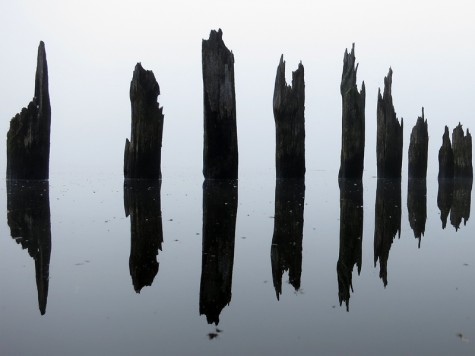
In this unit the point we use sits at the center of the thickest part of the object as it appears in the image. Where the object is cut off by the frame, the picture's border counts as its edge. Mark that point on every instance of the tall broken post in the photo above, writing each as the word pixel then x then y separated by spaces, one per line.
pixel 418 147
pixel 289 108
pixel 28 139
pixel 142 154
pixel 352 120
pixel 446 157
pixel 462 148
pixel 220 148
pixel 389 134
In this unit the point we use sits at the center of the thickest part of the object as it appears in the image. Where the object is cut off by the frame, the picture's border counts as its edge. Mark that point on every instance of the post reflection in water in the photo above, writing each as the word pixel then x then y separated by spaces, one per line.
pixel 286 249
pixel 454 197
pixel 351 236
pixel 30 226
pixel 387 222
pixel 142 203
pixel 417 206
pixel 220 200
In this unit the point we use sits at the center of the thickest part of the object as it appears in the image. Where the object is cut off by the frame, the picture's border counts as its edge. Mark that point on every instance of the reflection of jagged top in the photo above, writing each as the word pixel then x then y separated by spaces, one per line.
pixel 387 221
pixel 351 236
pixel 142 203
pixel 454 197
pixel 220 199
pixel 417 206
pixel 30 225
pixel 286 250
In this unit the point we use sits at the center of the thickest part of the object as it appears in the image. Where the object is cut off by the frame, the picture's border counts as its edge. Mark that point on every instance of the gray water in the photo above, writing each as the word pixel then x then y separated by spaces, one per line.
pixel 225 246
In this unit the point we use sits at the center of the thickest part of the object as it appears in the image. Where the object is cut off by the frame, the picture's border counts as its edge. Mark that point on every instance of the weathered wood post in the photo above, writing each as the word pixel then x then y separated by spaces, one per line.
pixel 28 139
pixel 462 148
pixel 352 121
pixel 446 157
pixel 29 220
pixel 289 110
pixel 220 148
pixel 220 202
pixel 142 203
pixel 142 156
pixel 351 236
pixel 418 147
pixel 286 249
pixel 445 195
pixel 389 134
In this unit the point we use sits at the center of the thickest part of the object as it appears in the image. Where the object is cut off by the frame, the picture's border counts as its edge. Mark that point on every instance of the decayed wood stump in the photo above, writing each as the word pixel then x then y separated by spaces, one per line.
pixel 352 121
pixel 418 147
pixel 289 108
pixel 220 148
pixel 28 139
pixel 462 148
pixel 142 156
pixel 389 134
pixel 446 157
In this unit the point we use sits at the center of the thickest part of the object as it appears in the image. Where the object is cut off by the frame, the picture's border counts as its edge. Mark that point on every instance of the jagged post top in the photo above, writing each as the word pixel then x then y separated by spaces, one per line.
pixel 388 81
pixel 215 41
pixel 143 84
pixel 348 76
pixel 284 89
pixel 41 78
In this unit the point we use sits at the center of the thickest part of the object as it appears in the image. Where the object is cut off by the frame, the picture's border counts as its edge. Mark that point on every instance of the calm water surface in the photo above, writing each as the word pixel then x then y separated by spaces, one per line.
pixel 244 267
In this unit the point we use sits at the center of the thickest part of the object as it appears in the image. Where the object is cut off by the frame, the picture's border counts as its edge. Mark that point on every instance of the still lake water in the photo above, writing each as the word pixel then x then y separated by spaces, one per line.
pixel 246 268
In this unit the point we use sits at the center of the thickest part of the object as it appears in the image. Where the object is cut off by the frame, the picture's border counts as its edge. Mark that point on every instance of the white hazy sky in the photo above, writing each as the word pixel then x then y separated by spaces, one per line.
pixel 93 46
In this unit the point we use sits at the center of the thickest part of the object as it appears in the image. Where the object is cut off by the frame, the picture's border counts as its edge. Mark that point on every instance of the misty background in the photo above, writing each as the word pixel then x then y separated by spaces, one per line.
pixel 92 48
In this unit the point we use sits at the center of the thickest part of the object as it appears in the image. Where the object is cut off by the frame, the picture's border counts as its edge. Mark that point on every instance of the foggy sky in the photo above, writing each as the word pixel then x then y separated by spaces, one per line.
pixel 93 47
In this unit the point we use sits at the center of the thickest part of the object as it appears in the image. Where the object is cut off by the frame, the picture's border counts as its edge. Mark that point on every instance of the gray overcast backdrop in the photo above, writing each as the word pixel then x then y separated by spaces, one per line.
pixel 93 46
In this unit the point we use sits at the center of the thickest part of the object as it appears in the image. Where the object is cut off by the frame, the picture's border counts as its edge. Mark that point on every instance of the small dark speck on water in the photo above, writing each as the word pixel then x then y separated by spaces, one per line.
pixel 465 264
pixel 212 336
pixel 244 237
pixel 170 220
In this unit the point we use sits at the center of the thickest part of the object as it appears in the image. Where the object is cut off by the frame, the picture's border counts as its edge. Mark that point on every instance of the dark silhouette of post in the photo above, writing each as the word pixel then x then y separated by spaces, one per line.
pixel 387 222
pixel 220 200
pixel 286 249
pixel 30 226
pixel 446 157
pixel 220 148
pixel 28 139
pixel 418 147
pixel 389 134
pixel 462 148
pixel 462 195
pixel 289 117
pixel 352 121
pixel 142 204
pixel 351 236
pixel 142 156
